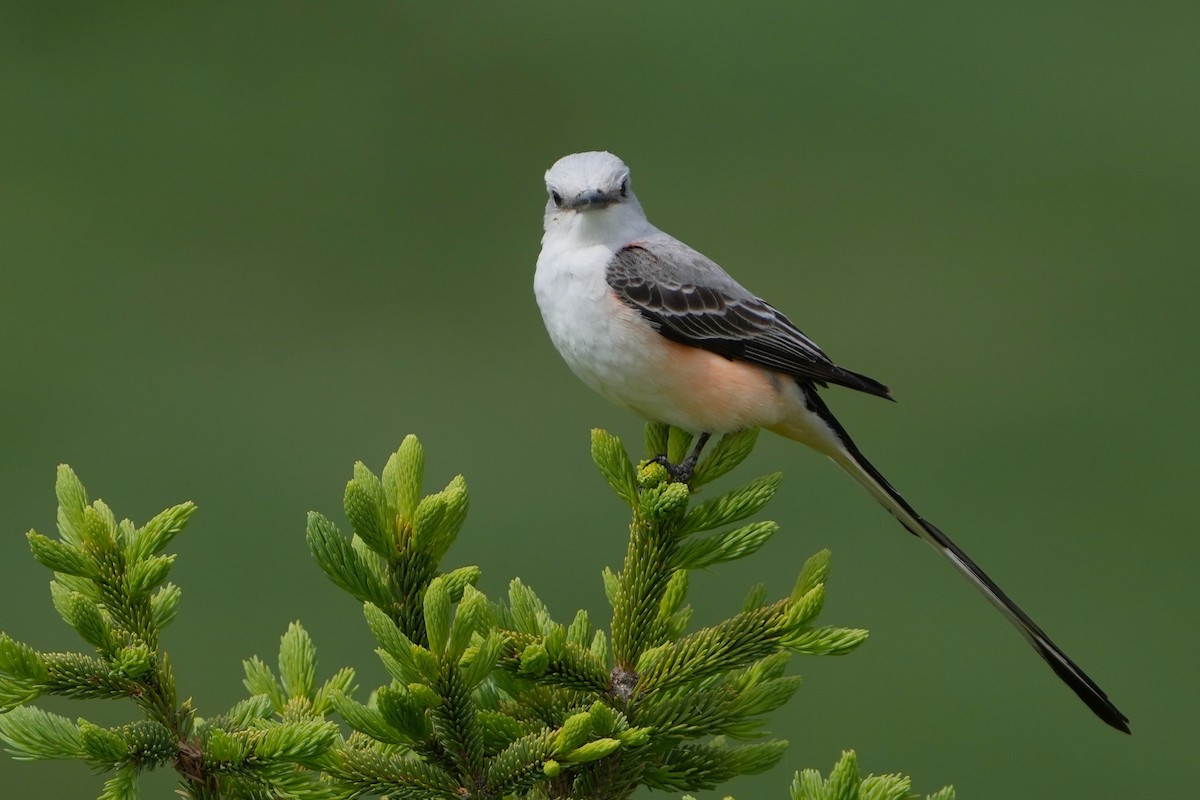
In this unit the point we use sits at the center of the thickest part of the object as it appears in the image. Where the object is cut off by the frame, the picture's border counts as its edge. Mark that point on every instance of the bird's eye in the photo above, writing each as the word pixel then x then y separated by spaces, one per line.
pixel 556 197
pixel 625 188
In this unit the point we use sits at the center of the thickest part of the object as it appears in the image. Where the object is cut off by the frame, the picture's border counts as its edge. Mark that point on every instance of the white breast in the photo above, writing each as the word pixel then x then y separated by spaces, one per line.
pixel 602 340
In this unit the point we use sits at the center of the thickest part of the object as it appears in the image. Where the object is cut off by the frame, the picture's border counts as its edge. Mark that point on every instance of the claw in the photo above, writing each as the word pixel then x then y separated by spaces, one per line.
pixel 682 472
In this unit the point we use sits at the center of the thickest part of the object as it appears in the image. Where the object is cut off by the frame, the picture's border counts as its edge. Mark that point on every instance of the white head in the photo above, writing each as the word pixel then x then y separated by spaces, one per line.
pixel 590 189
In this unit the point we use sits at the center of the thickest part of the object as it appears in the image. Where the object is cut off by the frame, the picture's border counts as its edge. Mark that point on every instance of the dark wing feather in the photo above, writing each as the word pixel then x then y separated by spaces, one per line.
pixel 692 301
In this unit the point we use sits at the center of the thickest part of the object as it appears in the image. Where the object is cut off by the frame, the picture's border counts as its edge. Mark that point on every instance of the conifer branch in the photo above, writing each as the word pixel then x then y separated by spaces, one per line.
pixel 487 700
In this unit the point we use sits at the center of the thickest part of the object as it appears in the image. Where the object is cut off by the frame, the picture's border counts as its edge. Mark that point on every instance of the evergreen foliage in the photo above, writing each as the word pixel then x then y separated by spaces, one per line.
pixel 488 698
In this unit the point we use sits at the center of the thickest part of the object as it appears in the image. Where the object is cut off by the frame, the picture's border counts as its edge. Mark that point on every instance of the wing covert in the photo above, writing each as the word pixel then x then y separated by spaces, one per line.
pixel 690 300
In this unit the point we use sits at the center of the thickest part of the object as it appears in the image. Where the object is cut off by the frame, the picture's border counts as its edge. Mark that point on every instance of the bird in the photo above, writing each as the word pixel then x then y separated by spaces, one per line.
pixel 660 329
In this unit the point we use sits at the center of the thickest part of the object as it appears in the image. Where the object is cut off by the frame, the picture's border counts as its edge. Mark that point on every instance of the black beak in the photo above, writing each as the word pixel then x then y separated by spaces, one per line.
pixel 591 200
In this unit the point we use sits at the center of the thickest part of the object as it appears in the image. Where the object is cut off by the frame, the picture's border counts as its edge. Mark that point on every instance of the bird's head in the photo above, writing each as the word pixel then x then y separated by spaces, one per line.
pixel 592 184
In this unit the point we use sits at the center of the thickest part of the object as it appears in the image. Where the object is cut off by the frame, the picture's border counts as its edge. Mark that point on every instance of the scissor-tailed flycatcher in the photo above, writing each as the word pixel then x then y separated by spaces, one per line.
pixel 656 327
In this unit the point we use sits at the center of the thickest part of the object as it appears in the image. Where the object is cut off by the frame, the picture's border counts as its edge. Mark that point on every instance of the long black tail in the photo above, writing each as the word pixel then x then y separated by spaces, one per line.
pixel 851 459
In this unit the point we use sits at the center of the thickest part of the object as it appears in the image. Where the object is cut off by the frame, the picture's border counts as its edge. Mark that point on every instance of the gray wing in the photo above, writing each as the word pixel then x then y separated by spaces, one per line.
pixel 690 300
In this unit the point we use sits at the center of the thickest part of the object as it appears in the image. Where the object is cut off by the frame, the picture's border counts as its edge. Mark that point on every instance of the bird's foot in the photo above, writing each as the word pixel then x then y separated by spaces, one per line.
pixel 681 472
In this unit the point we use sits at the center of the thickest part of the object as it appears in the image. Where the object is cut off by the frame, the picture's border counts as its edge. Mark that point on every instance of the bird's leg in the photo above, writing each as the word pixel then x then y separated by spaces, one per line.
pixel 682 472
pixel 685 470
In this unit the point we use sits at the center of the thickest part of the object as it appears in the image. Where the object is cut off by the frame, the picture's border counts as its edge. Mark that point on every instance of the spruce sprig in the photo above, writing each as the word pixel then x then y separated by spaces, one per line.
pixel 845 783
pixel 110 585
pixel 487 700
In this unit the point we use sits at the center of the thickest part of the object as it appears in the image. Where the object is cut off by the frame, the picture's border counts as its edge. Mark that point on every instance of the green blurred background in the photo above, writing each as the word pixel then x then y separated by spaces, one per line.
pixel 245 245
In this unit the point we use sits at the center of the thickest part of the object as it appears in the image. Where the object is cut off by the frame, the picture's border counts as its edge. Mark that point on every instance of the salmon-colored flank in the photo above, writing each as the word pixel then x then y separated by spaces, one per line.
pixel 719 394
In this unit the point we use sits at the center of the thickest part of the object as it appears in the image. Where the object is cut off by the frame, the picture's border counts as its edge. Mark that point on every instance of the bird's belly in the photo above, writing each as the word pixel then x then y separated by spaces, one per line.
pixel 618 354
pixel 700 391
